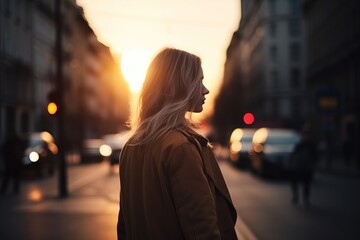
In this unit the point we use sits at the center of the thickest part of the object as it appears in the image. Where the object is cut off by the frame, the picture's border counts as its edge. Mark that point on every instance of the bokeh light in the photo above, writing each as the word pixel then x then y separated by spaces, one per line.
pixel 248 118
pixel 52 108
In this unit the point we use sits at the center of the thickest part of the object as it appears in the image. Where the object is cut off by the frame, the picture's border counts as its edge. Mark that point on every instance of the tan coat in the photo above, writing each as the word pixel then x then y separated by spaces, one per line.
pixel 167 195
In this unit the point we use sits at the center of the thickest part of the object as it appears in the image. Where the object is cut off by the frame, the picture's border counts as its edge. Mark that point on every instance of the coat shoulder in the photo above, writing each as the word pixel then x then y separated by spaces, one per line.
pixel 174 138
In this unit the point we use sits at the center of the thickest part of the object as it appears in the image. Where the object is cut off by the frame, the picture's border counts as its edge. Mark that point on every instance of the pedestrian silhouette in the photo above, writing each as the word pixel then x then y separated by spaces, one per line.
pixel 348 146
pixel 13 149
pixel 302 167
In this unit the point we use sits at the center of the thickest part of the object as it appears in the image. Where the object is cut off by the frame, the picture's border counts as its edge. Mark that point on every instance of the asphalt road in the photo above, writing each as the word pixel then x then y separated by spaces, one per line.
pixel 264 207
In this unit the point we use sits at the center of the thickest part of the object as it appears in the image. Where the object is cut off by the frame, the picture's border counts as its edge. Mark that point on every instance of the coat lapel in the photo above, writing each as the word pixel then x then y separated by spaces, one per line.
pixel 215 174
pixel 211 167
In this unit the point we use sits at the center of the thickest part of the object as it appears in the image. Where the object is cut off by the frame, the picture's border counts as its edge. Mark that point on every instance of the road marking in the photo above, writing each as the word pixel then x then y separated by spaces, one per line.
pixel 242 230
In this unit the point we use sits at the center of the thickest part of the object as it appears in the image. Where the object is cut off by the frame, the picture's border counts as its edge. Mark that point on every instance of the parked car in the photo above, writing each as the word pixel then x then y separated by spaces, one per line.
pixel 114 144
pixel 40 154
pixel 271 151
pixel 239 146
pixel 90 151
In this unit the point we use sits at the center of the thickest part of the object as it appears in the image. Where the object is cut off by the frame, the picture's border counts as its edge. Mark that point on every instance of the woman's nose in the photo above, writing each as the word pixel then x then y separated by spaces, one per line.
pixel 205 90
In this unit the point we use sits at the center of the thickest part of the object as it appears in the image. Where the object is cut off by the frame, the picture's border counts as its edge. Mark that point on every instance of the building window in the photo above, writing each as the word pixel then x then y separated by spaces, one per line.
pixel 26 16
pixel 295 107
pixel 294 6
pixel 7 8
pixel 273 29
pixel 274 78
pixel 295 52
pixel 10 118
pixel 295 78
pixel 275 107
pixel 24 122
pixel 294 28
pixel 273 53
pixel 18 5
pixel 272 6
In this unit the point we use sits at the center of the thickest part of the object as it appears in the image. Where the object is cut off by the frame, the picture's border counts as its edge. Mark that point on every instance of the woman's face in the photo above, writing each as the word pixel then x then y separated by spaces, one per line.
pixel 200 99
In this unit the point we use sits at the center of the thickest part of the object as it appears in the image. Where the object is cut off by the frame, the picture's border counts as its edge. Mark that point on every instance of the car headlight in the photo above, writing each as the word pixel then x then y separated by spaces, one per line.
pixel 258 148
pixel 235 147
pixel 105 150
pixel 34 156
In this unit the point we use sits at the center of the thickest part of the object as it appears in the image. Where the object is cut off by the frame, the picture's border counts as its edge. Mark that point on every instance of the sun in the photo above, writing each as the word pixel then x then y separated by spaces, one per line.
pixel 134 64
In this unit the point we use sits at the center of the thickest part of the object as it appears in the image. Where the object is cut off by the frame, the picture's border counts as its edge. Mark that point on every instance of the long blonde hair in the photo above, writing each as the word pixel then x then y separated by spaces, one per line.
pixel 171 84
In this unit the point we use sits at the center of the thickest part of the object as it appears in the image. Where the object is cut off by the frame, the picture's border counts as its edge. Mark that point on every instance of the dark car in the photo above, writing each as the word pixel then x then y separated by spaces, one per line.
pixel 40 154
pixel 90 151
pixel 239 146
pixel 271 151
pixel 114 144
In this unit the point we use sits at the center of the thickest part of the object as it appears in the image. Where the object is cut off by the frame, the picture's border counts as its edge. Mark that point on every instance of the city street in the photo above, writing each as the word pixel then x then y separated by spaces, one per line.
pixel 90 211
pixel 273 85
pixel 264 207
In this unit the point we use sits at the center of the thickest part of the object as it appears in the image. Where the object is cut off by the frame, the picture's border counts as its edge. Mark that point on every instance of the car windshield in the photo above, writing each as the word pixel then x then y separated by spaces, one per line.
pixel 35 142
pixel 246 138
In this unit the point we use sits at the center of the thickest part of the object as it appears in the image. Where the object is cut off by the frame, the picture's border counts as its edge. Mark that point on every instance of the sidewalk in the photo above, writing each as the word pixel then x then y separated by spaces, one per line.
pixel 90 211
pixel 38 213
pixel 339 168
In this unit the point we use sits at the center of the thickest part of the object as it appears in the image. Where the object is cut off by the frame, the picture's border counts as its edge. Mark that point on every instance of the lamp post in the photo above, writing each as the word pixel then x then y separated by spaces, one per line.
pixel 63 191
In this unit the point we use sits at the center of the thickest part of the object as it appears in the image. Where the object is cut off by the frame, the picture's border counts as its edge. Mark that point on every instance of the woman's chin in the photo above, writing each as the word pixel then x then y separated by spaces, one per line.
pixel 198 110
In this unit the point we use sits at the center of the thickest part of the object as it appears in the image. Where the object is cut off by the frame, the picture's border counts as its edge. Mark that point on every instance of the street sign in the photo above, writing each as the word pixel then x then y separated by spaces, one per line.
pixel 328 101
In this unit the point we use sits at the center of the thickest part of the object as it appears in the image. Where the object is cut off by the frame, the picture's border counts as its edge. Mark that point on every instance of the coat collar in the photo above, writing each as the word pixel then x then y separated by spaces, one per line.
pixel 203 141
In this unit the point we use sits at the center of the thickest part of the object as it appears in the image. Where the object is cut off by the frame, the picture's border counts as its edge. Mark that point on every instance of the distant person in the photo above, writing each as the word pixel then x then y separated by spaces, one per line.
pixel 348 150
pixel 349 143
pixel 303 163
pixel 171 184
pixel 13 150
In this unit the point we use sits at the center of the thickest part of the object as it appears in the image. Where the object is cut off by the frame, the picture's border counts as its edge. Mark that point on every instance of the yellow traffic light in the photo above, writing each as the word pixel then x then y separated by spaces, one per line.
pixel 52 108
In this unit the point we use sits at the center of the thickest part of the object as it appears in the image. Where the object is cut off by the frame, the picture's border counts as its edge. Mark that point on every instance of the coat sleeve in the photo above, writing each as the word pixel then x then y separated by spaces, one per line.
pixel 192 196
pixel 121 234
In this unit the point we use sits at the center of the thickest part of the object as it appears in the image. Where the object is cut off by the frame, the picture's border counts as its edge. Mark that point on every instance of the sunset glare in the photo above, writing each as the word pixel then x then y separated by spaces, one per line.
pixel 201 27
pixel 134 65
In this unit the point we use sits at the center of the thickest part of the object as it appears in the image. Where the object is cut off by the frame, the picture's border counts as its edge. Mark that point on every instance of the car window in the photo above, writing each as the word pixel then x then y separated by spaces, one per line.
pixel 286 139
pixel 246 138
pixel 35 142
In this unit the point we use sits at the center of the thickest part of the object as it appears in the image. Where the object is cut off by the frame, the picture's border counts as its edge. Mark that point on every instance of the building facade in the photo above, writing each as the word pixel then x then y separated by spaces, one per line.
pixel 266 65
pixel 333 70
pixel 96 96
pixel 273 61
pixel 17 82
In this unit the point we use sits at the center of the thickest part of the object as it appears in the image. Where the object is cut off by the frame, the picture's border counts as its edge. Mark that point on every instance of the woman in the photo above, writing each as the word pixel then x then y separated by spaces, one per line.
pixel 171 185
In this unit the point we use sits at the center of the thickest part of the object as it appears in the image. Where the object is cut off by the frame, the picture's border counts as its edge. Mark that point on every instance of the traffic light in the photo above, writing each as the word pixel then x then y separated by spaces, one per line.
pixel 53 102
pixel 248 118
pixel 52 108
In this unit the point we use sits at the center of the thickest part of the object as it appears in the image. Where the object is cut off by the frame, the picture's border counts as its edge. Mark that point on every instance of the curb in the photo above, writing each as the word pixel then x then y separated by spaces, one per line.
pixel 243 232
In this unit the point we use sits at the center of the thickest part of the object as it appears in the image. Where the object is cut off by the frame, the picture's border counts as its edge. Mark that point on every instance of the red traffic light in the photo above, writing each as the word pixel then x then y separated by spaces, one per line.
pixel 248 118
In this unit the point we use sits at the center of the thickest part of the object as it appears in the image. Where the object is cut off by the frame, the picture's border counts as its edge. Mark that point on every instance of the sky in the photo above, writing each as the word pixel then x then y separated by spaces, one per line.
pixel 140 28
